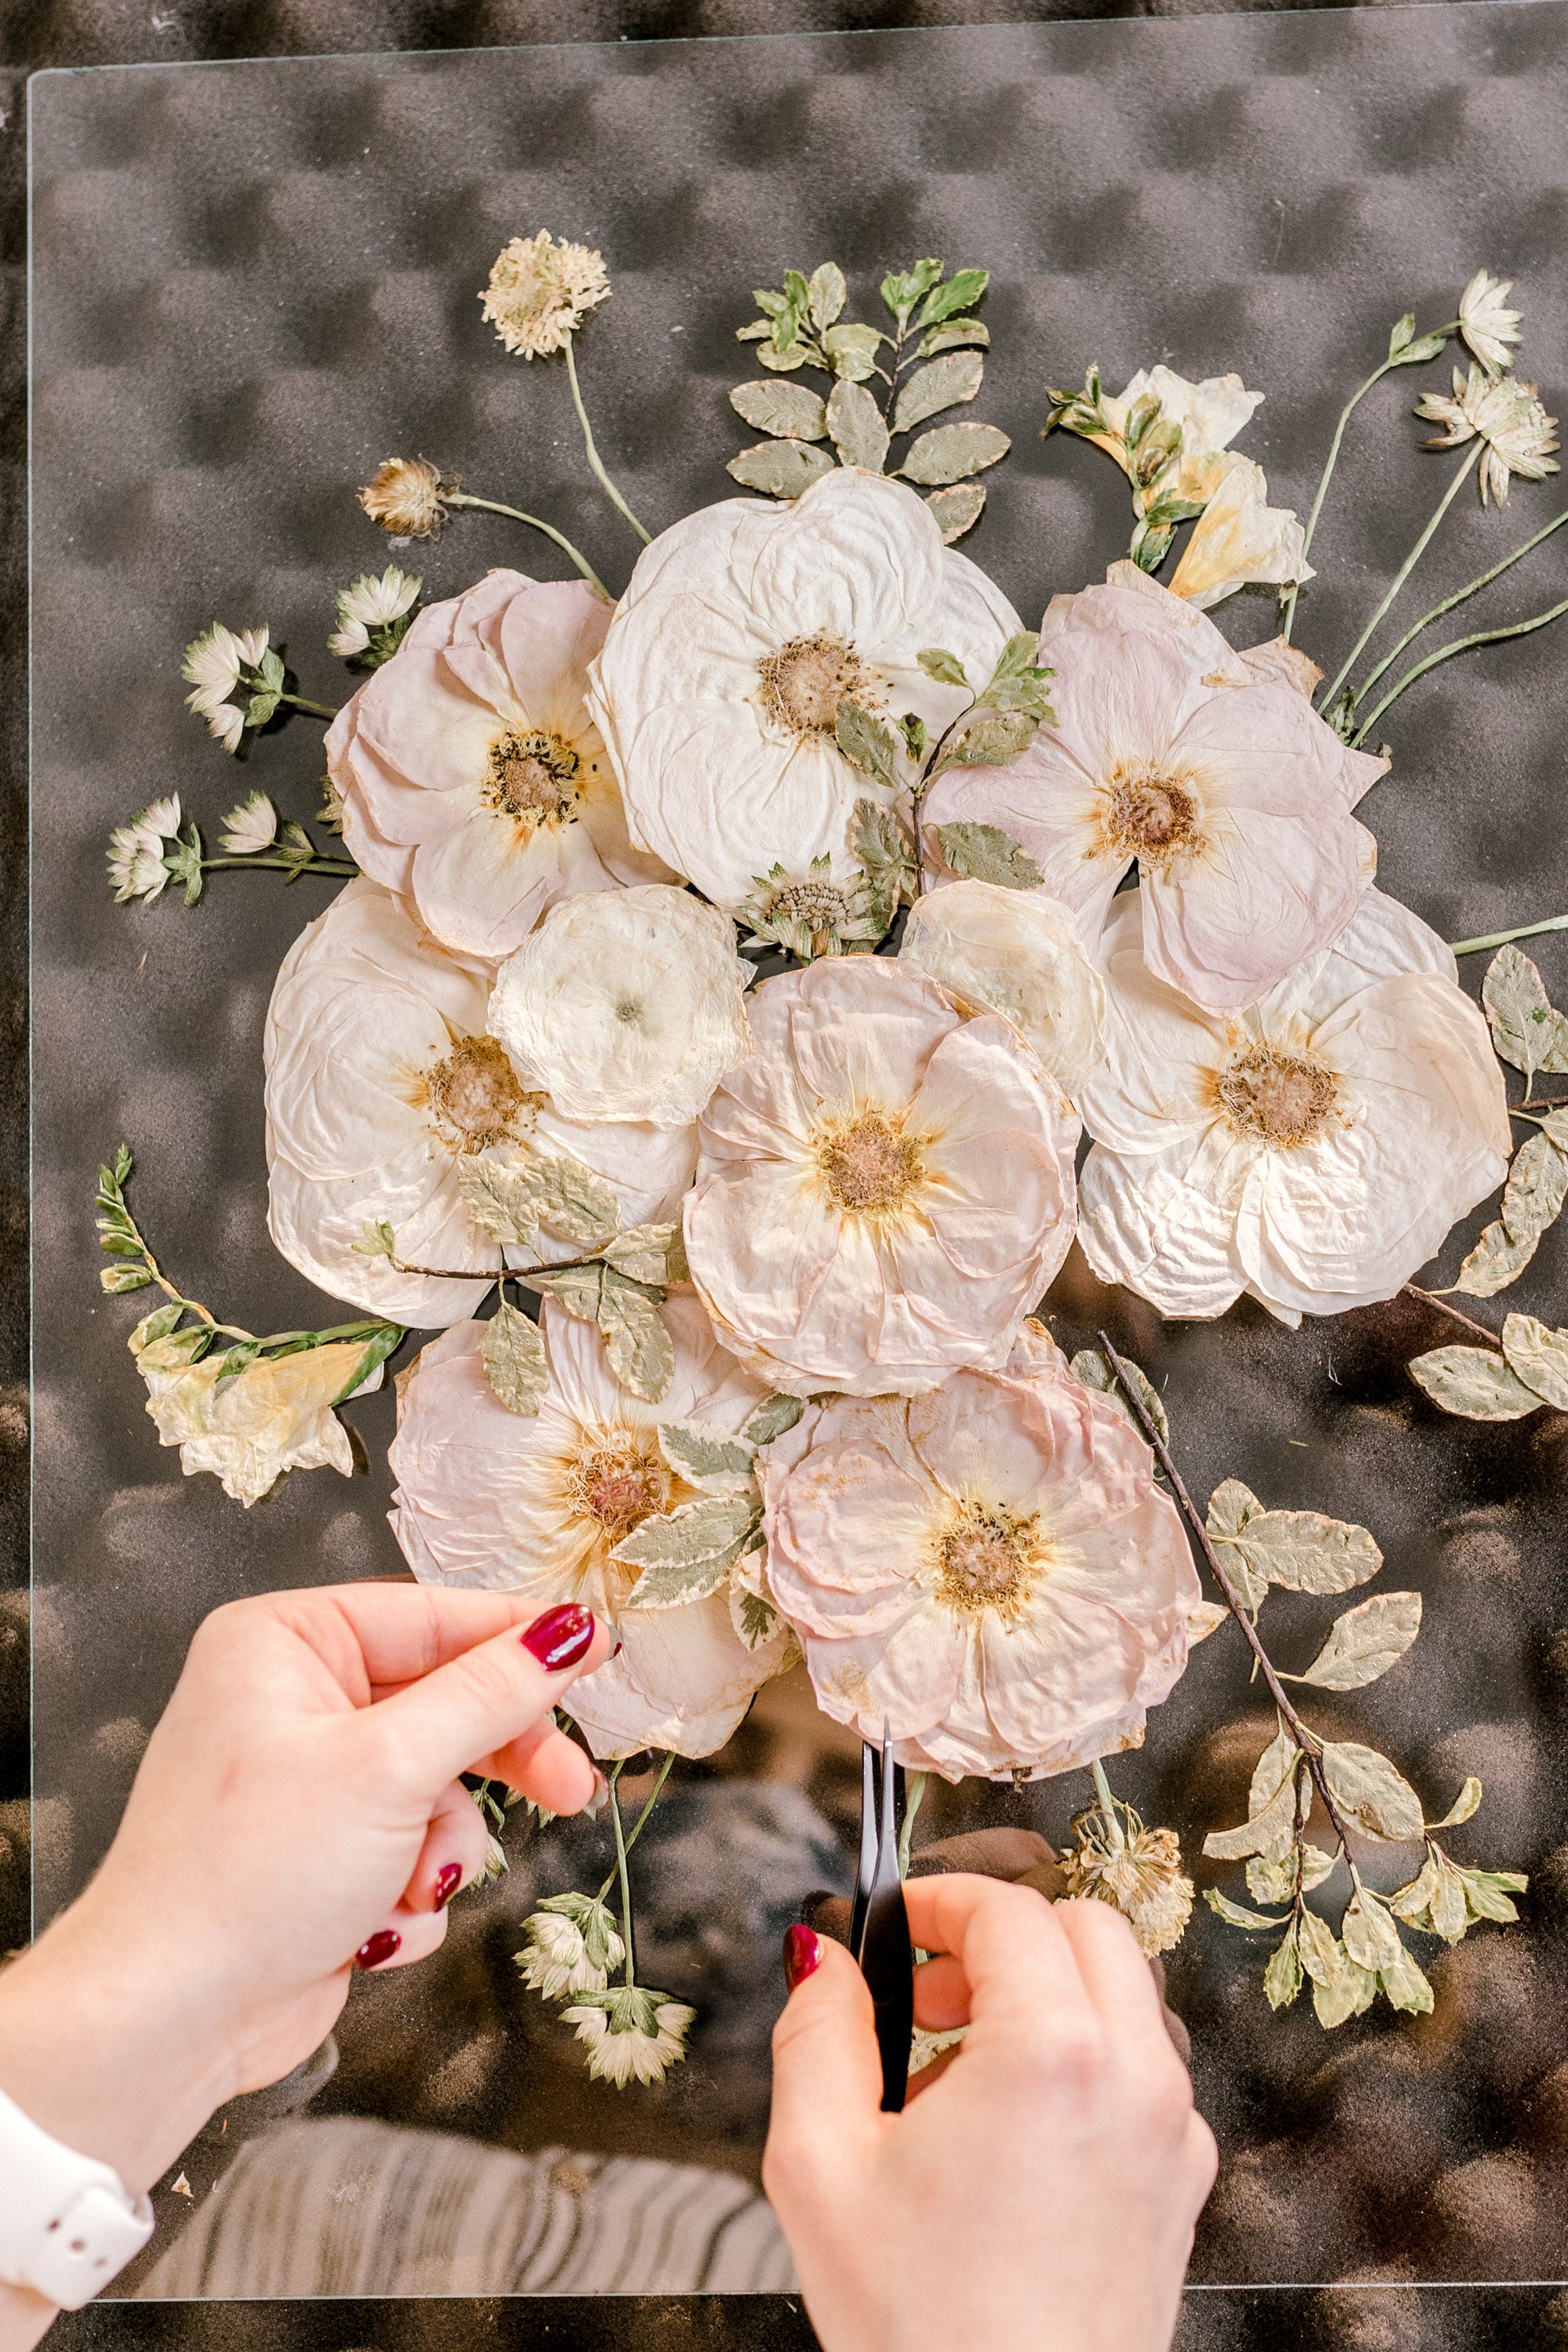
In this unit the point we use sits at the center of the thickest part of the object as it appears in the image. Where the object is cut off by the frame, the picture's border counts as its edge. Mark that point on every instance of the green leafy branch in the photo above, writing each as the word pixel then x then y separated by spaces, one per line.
pixel 934 333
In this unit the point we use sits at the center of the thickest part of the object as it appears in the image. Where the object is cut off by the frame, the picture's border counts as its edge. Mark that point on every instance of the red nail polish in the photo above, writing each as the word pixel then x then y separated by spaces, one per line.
pixel 561 1636
pixel 448 1883
pixel 802 1954
pixel 616 1651
pixel 378 1948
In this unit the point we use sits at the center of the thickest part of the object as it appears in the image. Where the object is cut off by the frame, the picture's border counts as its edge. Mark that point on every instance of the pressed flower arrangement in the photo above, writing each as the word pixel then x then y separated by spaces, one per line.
pixel 727 977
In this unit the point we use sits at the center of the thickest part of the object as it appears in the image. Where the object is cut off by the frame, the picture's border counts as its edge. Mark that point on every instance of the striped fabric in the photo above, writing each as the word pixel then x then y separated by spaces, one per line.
pixel 342 2206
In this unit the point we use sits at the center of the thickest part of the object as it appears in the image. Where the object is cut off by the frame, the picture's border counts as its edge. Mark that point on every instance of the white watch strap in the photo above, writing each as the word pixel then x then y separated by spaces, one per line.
pixel 68 2224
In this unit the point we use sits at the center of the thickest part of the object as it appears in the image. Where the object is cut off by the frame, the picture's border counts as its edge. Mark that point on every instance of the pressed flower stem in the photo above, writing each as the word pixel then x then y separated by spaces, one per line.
pixel 316 709
pixel 535 523
pixel 1432 1298
pixel 1502 939
pixel 1446 653
pixel 342 866
pixel 914 1797
pixel 1326 700
pixel 1306 1739
pixel 1108 1804
pixel 1330 462
pixel 1458 597
pixel 595 459
pixel 630 1971
pixel 637 1824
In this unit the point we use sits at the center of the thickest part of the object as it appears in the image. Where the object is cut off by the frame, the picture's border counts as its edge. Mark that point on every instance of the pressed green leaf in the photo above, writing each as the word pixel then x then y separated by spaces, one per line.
pixel 1271 1827
pixel 956 510
pixel 868 744
pixel 573 1201
pixel 1371 1794
pixel 1236 1915
pixel 577 1288
pixel 1536 1189
pixel 1526 1029
pixel 984 853
pixel 754 1620
pixel 639 1348
pixel 952 452
pixel 942 384
pixel 945 668
pixel 773 1417
pixel 650 1254
pixel 1448 1907
pixel 700 1454
pixel 156 1326
pixel 1304 1551
pixel 825 295
pixel 373 1354
pixel 1413 1903
pixel 1426 347
pixel 902 288
pixel 962 291
pixel 1091 1367
pixel 1371 1937
pixel 693 1535
pixel 1365 1642
pixel 1403 331
pixel 1497 1259
pixel 117 1279
pixel 512 1353
pixel 1354 1991
pixel 887 853
pixel 1405 1987
pixel 1231 1507
pixel 1538 1357
pixel 994 739
pixel 1274 1770
pixel 1283 1977
pixel 793 411
pixel 376 1239
pixel 1555 1125
pixel 1271 1878
pixel 1321 1954
pixel 856 425
pixel 1474 1383
pixel 951 334
pixel 1487 1891
pixel 852 352
pixel 782 468
pixel 1466 1804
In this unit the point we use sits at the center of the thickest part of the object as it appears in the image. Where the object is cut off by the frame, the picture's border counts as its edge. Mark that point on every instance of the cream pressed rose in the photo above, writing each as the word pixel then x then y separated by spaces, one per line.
pixel 1211 772
pixel 1017 953
pixel 1239 538
pixel 248 1430
pixel 742 630
pixel 536 1504
pixel 381 1081
pixel 626 1005
pixel 989 1568
pixel 1313 1151
pixel 472 780
pixel 884 1189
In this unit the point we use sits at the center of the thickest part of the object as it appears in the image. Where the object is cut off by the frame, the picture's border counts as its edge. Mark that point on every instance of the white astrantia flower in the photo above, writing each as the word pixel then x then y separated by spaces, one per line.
pixel 371 601
pixel 473 780
pixel 573 1945
pixel 627 1004
pixel 250 827
pixel 1017 953
pixel 1207 416
pixel 1313 1151
pixel 248 1430
pixel 1239 538
pixel 539 292
pixel 215 662
pixel 537 1503
pixel 136 864
pixel 1489 327
pixel 885 1188
pixel 743 628
pixel 1503 412
pixel 381 1080
pixel 631 2031
pixel 1208 767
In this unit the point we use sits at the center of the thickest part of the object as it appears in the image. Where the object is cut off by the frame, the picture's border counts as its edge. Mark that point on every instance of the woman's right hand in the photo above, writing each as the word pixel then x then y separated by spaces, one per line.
pixel 1043 2183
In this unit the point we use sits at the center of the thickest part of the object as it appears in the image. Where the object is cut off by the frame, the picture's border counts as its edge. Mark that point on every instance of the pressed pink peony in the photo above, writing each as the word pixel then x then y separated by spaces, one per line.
pixel 536 1502
pixel 883 1190
pixel 989 1568
pixel 473 781
pixel 1206 767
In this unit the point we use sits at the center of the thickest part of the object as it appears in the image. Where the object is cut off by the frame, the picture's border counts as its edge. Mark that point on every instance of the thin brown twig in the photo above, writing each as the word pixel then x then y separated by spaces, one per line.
pixel 1430 1299
pixel 1306 1739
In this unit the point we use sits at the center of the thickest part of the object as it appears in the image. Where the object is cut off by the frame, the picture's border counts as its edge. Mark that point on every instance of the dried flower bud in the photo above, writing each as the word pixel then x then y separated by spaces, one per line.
pixel 405 497
pixel 1116 1860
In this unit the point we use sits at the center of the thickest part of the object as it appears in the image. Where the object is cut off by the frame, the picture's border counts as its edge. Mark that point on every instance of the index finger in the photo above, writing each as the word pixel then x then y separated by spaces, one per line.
pixel 400 1631
pixel 1007 1939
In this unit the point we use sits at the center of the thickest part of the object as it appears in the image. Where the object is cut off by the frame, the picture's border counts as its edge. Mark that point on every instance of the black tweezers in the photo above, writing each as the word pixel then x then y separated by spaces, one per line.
pixel 879 1921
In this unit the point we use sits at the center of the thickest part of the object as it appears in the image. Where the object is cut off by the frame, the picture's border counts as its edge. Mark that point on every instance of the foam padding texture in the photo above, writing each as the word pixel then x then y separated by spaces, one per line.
pixel 254 281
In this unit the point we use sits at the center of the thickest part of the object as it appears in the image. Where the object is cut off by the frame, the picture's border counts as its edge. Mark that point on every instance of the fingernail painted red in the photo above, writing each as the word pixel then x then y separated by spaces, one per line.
pixel 802 1954
pixel 561 1636
pixel 448 1883
pixel 378 1948
pixel 617 1651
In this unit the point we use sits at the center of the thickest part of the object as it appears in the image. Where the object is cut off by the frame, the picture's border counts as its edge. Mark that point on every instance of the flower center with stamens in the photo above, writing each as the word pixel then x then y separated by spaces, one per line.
pixel 867 1164
pixel 983 1561
pixel 1282 1099
pixel 805 682
pixel 532 777
pixel 476 1098
pixel 620 1479
pixel 1149 815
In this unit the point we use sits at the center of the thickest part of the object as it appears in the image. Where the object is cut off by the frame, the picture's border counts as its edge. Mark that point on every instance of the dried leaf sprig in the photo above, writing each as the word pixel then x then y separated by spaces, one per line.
pixel 1362 1792
pixel 934 333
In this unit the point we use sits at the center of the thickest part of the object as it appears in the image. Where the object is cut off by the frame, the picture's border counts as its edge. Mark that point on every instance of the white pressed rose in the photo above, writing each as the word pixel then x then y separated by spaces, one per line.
pixel 627 1004
pixel 1239 538
pixel 885 1188
pixel 1487 324
pixel 275 1415
pixel 537 1503
pixel 250 827
pixel 1313 1151
pixel 1019 954
pixel 631 2032
pixel 743 628
pixel 381 1080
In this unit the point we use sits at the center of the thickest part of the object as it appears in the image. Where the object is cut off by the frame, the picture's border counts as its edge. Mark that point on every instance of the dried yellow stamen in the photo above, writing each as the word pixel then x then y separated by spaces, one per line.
pixel 867 1163
pixel 1282 1099
pixel 805 682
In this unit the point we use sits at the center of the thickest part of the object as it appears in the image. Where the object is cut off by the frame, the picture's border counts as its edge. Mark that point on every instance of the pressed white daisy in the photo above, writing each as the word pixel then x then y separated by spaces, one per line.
pixel 372 602
pixel 1503 412
pixel 539 292
pixel 250 827
pixel 744 628
pixel 537 1503
pixel 572 1947
pixel 136 864
pixel 1017 953
pixel 1313 1151
pixel 405 497
pixel 626 1005
pixel 631 2032
pixel 1487 326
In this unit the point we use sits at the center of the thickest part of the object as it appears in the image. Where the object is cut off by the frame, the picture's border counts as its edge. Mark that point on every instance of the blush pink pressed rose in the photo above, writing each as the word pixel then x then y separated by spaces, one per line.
pixel 883 1190
pixel 473 781
pixel 990 1568
pixel 1206 768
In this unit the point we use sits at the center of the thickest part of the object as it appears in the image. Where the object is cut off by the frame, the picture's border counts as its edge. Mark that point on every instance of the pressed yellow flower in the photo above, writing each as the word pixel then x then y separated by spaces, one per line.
pixel 1139 1871
pixel 404 495
pixel 539 292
